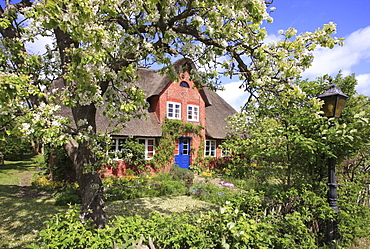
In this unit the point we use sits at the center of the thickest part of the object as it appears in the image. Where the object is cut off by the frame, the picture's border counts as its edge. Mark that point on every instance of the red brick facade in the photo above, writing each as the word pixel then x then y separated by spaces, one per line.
pixel 185 95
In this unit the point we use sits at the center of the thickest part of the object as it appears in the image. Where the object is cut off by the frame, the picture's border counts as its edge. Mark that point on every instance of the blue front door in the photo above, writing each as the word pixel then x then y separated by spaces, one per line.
pixel 182 152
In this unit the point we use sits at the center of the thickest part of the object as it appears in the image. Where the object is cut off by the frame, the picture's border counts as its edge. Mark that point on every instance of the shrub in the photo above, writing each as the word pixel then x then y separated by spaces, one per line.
pixel 14 148
pixel 171 187
pixel 42 182
pixel 59 165
pixel 184 175
pixel 69 195
pixel 354 216
pixel 228 228
pixel 211 193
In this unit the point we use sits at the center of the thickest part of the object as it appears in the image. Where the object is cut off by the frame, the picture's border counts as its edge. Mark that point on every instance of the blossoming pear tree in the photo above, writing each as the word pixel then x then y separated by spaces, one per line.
pixel 95 48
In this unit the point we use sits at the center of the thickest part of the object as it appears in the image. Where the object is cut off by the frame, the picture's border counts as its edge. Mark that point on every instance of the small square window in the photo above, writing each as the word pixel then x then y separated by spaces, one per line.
pixel 210 148
pixel 193 113
pixel 149 147
pixel 173 110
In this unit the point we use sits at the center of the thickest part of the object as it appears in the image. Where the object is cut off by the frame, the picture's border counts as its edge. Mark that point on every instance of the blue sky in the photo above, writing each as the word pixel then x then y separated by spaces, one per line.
pixel 353 23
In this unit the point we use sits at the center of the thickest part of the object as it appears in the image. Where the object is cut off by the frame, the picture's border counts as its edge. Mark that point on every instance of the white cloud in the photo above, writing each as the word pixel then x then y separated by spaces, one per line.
pixel 38 46
pixel 272 38
pixel 354 53
pixel 363 84
pixel 233 95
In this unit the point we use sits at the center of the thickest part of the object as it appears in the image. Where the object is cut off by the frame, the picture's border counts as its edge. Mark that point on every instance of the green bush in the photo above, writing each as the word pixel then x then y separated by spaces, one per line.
pixel 228 228
pixel 354 216
pixel 14 148
pixel 59 166
pixel 132 187
pixel 184 175
pixel 68 197
pixel 69 194
pixel 171 187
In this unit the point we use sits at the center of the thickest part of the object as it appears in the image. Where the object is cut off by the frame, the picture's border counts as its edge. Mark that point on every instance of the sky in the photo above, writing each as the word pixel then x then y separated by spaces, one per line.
pixel 353 23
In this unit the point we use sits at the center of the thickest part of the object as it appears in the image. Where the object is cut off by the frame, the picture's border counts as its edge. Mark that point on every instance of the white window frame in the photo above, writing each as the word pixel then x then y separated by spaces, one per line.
pixel 116 142
pixel 147 145
pixel 226 152
pixel 210 150
pixel 175 113
pixel 194 115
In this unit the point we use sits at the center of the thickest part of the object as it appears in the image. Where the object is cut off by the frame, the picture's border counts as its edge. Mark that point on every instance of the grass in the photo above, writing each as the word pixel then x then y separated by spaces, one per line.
pixel 22 211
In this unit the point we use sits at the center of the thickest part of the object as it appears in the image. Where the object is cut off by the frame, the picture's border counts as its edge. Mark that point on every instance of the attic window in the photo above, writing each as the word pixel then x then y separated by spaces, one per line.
pixel 184 84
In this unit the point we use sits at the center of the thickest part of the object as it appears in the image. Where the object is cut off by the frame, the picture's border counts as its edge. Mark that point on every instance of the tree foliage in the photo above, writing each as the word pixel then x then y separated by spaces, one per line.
pixel 289 130
pixel 98 45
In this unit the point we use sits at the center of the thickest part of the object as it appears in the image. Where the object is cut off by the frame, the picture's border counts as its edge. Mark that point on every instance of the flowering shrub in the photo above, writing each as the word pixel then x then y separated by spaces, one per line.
pixel 43 183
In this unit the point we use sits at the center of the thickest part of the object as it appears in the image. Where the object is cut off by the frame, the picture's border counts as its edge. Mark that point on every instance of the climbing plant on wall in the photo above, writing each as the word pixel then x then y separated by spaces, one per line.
pixel 171 130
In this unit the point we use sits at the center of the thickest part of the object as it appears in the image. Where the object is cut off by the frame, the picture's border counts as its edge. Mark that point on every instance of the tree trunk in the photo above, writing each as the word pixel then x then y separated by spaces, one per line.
pixel 84 160
pixel 91 187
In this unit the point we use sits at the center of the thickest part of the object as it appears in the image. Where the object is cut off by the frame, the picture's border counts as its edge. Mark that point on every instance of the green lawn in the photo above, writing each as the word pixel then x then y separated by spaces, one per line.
pixel 22 211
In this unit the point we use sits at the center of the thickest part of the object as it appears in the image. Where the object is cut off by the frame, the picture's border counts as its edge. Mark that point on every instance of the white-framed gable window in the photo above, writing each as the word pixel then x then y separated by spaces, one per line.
pixel 149 147
pixel 173 110
pixel 193 113
pixel 210 148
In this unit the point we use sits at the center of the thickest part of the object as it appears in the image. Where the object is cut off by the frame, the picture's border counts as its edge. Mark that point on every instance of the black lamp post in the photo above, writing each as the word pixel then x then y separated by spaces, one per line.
pixel 334 102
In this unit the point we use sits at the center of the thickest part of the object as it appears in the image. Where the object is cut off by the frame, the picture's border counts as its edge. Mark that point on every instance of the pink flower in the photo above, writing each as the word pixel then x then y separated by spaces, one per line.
pixel 227 184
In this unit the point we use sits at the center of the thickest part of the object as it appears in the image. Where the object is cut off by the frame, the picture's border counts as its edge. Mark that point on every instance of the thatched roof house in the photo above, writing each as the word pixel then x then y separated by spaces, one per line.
pixel 180 100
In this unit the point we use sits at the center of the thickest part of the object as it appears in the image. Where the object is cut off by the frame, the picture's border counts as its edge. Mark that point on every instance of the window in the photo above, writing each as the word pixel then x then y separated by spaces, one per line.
pixel 193 113
pixel 185 146
pixel 117 147
pixel 177 147
pixel 184 84
pixel 226 152
pixel 173 110
pixel 149 147
pixel 210 148
pixel 117 144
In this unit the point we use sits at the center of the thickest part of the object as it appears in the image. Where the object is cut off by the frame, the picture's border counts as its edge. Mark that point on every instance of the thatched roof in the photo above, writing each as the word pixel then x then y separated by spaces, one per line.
pixel 153 83
pixel 217 112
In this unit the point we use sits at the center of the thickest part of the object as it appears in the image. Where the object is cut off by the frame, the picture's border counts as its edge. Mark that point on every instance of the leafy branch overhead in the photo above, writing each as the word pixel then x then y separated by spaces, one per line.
pixel 94 52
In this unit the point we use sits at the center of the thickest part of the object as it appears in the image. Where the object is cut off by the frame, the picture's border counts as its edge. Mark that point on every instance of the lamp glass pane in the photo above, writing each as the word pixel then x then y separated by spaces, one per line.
pixel 340 105
pixel 329 105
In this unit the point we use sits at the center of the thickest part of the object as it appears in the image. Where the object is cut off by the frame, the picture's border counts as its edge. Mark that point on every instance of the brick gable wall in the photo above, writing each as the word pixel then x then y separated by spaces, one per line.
pixel 186 96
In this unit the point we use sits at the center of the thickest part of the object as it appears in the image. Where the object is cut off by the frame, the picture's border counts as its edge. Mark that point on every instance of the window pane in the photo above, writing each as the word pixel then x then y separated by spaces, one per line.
pixel 185 148
pixel 190 112
pixel 210 148
pixel 176 147
pixel 177 111
pixel 113 145
pixel 173 110
pixel 193 113
pixel 196 113
pixel 121 143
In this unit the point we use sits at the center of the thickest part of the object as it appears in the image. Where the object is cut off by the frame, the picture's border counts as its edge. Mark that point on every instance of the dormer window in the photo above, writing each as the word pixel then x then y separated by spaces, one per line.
pixel 184 84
